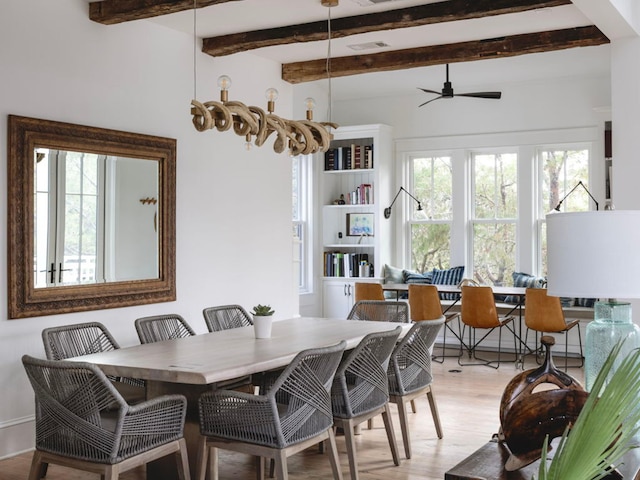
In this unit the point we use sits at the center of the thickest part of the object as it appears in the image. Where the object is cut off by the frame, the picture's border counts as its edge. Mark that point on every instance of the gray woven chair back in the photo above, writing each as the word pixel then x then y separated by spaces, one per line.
pixel 410 363
pixel 162 327
pixel 361 383
pixel 225 317
pixel 296 407
pixel 380 310
pixel 79 414
pixel 70 341
pixel 76 340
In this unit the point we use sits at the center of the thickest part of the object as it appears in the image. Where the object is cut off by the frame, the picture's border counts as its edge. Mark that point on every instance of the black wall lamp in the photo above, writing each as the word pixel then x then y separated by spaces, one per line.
pixel 571 191
pixel 387 211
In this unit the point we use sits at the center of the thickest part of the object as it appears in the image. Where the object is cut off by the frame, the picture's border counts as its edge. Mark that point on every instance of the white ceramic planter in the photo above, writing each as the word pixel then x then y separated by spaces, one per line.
pixel 262 326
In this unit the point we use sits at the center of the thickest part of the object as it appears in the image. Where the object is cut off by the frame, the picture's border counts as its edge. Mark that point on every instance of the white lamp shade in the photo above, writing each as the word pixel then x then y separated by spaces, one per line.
pixel 594 254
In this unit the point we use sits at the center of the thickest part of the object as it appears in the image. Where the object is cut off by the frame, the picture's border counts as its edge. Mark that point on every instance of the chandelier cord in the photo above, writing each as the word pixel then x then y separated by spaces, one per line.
pixel 195 48
pixel 328 65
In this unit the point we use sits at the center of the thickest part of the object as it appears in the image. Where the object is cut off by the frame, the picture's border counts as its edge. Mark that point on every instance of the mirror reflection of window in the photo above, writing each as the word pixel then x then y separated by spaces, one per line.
pixel 89 224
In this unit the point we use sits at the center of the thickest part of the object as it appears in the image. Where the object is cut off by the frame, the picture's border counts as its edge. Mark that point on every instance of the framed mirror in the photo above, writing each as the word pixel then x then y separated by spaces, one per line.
pixel 91 216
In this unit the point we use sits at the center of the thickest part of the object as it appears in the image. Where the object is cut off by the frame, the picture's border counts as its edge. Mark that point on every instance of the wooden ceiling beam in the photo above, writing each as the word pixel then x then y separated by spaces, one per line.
pixel 111 12
pixel 445 11
pixel 300 72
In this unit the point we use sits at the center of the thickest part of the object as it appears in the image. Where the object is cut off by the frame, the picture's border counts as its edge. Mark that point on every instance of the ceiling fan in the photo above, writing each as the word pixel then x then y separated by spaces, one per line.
pixel 447 92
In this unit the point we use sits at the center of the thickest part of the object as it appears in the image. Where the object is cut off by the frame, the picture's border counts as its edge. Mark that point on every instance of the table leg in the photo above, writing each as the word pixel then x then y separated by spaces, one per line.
pixel 165 468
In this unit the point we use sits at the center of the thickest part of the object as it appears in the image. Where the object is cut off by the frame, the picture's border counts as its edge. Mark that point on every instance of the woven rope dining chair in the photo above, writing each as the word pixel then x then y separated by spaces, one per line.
pixel 158 328
pixel 224 317
pixel 80 339
pixel 293 415
pixel 410 374
pixel 78 427
pixel 380 310
pixel 361 391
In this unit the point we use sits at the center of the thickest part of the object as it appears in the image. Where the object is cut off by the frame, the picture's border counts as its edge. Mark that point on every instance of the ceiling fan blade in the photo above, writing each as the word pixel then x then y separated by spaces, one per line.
pixel 426 90
pixel 490 95
pixel 432 100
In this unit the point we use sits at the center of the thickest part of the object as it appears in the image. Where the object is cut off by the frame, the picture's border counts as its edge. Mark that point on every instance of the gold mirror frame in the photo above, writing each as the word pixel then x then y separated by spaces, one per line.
pixel 24 136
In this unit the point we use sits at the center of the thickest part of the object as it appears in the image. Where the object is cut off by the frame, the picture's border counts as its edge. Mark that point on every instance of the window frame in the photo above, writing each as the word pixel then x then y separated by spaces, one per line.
pixel 525 144
pixel 304 221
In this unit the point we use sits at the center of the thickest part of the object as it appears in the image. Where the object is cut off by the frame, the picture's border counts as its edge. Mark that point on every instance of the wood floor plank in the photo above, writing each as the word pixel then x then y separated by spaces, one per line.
pixel 468 400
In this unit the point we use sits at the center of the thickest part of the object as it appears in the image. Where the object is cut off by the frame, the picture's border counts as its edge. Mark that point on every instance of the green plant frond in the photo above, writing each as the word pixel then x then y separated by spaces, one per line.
pixel 605 428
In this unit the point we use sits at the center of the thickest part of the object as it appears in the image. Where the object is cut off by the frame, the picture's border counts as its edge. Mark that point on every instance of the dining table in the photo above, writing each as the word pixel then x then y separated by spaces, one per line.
pixel 193 365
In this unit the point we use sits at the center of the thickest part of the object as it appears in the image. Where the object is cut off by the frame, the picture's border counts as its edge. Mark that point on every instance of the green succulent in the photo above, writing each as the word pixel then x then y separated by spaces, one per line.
pixel 262 310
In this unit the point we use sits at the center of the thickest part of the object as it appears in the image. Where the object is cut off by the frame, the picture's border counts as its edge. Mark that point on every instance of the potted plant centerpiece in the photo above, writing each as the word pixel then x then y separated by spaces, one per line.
pixel 262 320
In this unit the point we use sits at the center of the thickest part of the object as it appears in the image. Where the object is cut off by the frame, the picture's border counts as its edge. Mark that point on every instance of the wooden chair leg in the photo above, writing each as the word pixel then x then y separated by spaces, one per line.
pixel 203 460
pixel 260 467
pixel 213 464
pixel 388 426
pixel 434 412
pixel 333 456
pixel 36 466
pixel 404 426
pixel 349 439
pixel 281 466
pixel 110 473
pixel 414 409
pixel 182 460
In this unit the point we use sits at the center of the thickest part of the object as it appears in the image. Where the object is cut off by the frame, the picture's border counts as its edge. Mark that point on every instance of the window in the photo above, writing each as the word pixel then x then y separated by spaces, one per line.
pixel 494 217
pixel 69 253
pixel 430 235
pixel 301 214
pixel 562 170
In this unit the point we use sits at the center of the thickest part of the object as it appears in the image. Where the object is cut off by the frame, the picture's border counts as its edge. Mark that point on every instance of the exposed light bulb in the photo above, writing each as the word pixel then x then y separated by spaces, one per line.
pixel 272 96
pixel 247 144
pixel 310 103
pixel 224 82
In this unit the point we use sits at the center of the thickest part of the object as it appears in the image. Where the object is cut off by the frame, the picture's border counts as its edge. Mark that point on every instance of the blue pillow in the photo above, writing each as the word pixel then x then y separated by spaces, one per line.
pixel 393 275
pixel 414 277
pixel 524 280
pixel 451 276
pixel 585 302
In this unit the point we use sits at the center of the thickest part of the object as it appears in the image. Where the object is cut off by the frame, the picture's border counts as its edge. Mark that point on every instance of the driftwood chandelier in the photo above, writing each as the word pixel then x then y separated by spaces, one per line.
pixel 301 137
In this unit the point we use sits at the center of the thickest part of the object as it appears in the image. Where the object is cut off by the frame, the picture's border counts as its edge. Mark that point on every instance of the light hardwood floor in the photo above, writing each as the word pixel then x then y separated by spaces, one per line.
pixel 468 399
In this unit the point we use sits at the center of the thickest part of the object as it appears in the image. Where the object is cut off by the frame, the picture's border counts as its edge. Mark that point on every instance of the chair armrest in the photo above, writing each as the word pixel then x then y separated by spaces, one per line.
pixel 165 415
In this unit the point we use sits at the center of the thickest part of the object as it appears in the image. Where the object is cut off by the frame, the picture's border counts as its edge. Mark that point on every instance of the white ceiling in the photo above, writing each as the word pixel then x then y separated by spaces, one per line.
pixel 249 15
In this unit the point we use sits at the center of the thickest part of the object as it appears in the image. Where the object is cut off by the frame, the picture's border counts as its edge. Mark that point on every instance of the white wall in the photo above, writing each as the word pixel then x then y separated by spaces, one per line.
pixel 233 207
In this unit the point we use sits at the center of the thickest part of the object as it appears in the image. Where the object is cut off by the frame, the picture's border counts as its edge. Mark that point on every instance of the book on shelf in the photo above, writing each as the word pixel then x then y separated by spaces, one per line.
pixel 361 195
pixel 351 157
pixel 343 264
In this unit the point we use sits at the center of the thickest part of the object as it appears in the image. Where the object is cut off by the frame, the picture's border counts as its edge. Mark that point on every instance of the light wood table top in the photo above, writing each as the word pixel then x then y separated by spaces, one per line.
pixel 213 357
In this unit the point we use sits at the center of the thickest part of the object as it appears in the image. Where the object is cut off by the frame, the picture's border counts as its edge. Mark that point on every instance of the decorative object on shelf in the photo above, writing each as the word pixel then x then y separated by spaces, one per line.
pixel 595 255
pixel 387 211
pixel 359 225
pixel 262 320
pixel 529 414
pixel 579 184
pixel 606 429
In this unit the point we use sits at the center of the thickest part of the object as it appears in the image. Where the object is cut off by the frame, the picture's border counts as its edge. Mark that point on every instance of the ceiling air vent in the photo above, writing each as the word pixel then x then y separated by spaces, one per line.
pixel 368 46
pixel 368 3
